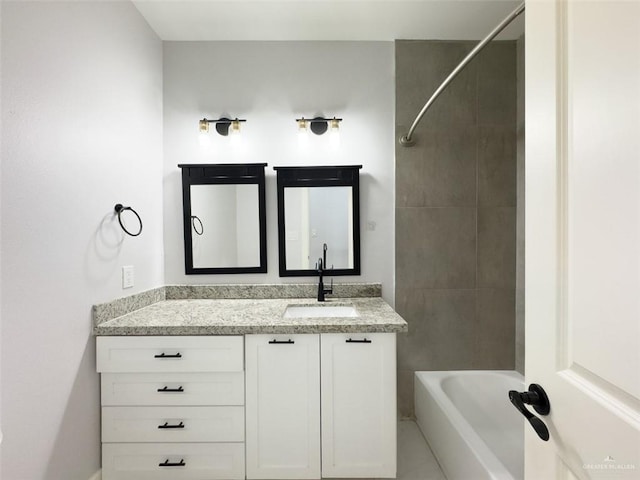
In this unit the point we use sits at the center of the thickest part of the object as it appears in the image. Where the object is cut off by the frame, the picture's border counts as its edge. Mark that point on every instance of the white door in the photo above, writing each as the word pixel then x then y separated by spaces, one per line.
pixel 583 235
pixel 358 405
pixel 282 406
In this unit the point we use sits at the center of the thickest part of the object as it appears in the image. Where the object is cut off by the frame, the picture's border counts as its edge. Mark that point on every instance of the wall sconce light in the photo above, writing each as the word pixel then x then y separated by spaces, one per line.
pixel 302 125
pixel 224 126
pixel 319 125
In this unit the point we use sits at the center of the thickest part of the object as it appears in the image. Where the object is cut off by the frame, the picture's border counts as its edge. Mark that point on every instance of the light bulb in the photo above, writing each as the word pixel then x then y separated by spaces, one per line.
pixel 334 133
pixel 235 139
pixel 235 127
pixel 303 137
pixel 334 124
pixel 302 126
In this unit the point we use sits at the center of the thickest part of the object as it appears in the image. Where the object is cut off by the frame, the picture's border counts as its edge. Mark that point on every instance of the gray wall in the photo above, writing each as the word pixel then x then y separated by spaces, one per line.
pixel 520 209
pixel 455 211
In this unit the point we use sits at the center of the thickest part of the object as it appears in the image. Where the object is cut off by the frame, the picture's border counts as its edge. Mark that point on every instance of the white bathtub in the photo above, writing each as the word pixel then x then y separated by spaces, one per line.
pixel 472 428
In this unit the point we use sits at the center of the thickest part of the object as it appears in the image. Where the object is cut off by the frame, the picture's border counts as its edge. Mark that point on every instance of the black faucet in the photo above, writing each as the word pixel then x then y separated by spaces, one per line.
pixel 321 290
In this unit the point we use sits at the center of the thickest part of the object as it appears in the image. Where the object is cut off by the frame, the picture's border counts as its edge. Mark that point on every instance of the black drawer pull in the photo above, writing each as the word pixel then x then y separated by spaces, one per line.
pixel 167 463
pixel 281 342
pixel 167 389
pixel 358 341
pixel 164 355
pixel 166 425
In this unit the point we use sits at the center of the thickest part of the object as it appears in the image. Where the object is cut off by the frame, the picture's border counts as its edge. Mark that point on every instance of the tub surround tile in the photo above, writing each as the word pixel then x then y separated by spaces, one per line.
pixel 442 325
pixel 494 343
pixel 443 175
pixel 435 247
pixel 442 331
pixel 405 154
pixel 424 65
pixel 497 247
pixel 404 388
pixel 497 84
pixel 496 166
pixel 455 206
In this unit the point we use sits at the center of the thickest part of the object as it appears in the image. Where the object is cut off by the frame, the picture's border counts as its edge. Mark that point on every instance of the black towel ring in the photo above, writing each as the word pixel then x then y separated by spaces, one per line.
pixel 119 209
pixel 193 224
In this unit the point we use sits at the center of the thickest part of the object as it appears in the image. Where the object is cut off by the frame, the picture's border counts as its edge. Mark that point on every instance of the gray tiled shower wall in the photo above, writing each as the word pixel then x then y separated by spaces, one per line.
pixel 456 199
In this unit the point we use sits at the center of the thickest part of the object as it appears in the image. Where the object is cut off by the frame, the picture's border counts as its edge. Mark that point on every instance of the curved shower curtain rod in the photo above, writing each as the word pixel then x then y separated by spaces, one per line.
pixel 407 140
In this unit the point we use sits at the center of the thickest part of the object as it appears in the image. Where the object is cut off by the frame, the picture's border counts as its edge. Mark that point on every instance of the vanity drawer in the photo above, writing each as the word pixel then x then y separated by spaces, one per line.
pixel 172 388
pixel 170 354
pixel 173 424
pixel 181 461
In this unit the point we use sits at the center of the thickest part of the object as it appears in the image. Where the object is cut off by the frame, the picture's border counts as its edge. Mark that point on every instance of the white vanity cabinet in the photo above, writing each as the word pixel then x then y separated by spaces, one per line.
pixel 358 385
pixel 172 407
pixel 321 405
pixel 258 406
pixel 283 406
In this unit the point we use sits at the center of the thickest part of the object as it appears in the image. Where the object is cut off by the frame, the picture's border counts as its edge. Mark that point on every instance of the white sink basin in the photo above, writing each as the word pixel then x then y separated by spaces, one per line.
pixel 319 311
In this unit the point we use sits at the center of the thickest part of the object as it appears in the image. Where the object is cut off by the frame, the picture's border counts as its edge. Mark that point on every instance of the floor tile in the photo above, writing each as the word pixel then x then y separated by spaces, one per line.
pixel 415 459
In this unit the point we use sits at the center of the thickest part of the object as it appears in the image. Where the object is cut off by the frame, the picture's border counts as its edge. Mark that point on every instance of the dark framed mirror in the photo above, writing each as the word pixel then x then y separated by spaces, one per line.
pixel 224 218
pixel 318 206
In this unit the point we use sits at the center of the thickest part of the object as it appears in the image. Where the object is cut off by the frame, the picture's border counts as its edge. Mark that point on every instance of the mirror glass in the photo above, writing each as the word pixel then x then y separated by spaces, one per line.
pixel 225 226
pixel 318 207
pixel 317 216
pixel 224 218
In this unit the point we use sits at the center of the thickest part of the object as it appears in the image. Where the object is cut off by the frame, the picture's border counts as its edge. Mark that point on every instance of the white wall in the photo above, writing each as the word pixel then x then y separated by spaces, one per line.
pixel 82 131
pixel 270 84
pixel 0 249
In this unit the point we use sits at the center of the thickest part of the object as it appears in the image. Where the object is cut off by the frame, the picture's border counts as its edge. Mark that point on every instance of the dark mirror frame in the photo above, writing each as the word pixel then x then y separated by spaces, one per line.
pixel 223 174
pixel 319 176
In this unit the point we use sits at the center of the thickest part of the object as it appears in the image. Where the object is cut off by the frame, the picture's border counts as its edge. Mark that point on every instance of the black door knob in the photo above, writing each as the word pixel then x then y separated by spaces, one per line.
pixel 537 398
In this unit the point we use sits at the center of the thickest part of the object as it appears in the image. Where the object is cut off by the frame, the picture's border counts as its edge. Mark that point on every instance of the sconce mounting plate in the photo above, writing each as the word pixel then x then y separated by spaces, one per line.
pixel 222 126
pixel 318 125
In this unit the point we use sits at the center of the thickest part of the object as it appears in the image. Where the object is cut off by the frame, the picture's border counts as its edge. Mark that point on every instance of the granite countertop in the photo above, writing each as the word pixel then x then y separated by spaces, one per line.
pixel 237 316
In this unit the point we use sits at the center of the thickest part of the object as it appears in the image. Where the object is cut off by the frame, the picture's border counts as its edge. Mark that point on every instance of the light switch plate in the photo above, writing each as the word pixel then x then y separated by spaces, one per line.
pixel 127 276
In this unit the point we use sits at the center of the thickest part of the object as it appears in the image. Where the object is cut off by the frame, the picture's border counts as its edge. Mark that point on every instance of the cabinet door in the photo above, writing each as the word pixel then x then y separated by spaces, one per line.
pixel 282 406
pixel 358 405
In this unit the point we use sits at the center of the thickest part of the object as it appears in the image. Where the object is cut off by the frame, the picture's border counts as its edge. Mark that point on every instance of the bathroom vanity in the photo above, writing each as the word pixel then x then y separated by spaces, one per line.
pixel 257 382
